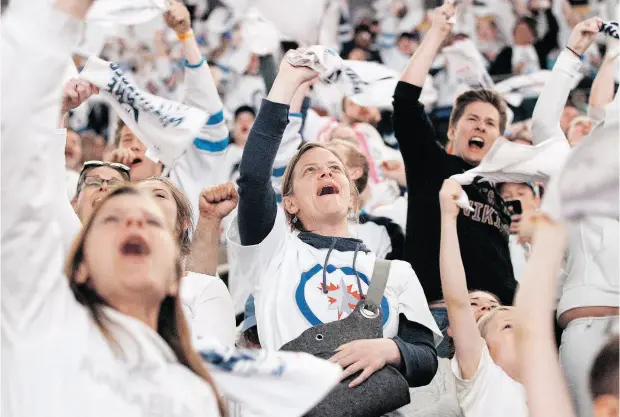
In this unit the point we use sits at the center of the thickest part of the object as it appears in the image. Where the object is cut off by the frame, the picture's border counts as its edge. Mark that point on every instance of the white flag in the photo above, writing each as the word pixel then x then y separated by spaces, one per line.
pixel 166 127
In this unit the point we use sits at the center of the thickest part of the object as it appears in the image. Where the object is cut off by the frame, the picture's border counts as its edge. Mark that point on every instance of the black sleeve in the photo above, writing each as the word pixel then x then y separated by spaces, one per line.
pixel 503 62
pixel 550 41
pixel 422 155
pixel 417 350
pixel 305 105
pixel 257 200
pixel 268 70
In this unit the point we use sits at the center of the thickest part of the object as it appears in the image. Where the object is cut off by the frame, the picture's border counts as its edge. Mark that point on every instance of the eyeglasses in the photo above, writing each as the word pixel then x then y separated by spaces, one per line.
pixel 96 181
pixel 88 165
pixel 123 169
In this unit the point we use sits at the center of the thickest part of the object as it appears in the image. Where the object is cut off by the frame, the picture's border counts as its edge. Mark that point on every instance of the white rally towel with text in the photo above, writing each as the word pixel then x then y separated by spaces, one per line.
pixel 173 125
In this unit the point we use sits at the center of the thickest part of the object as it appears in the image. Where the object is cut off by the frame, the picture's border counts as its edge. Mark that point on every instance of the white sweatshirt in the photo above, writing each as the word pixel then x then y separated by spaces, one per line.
pixel 53 350
pixel 593 241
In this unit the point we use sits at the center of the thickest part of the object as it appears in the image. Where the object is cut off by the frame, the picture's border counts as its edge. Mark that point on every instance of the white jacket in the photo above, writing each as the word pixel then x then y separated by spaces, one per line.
pixel 592 264
pixel 52 348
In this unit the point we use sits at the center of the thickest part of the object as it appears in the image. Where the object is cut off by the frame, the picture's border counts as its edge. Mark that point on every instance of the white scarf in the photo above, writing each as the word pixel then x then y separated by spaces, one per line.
pixel 166 127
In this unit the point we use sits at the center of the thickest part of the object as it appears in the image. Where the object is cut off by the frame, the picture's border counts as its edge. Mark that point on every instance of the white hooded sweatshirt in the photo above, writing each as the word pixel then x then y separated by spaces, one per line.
pixel 53 350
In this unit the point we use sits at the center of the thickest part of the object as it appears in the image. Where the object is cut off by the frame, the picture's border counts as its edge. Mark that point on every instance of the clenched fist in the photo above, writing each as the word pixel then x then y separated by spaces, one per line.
pixel 122 156
pixel 395 170
pixel 177 18
pixel 217 202
pixel 76 92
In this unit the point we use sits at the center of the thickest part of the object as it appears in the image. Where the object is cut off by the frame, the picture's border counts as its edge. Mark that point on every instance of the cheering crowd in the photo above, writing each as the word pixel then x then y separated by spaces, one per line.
pixel 271 208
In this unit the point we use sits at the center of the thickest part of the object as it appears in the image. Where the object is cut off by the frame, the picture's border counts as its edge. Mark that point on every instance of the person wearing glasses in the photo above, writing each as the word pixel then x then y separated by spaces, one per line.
pixel 97 179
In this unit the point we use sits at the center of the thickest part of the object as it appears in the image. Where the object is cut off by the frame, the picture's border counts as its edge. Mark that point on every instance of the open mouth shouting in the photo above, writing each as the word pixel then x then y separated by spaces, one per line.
pixel 476 143
pixel 328 189
pixel 136 161
pixel 135 246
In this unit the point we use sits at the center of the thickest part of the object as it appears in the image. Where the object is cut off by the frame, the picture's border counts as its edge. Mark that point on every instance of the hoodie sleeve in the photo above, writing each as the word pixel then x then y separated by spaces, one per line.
pixel 199 167
pixel 550 103
pixel 257 199
pixel 36 49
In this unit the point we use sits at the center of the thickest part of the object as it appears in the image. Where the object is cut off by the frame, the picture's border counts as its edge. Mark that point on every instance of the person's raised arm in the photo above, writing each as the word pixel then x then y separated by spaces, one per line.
pixel 467 341
pixel 550 103
pixel 200 89
pixel 540 371
pixel 214 204
pixel 257 200
pixel 36 50
pixel 602 91
pixel 420 63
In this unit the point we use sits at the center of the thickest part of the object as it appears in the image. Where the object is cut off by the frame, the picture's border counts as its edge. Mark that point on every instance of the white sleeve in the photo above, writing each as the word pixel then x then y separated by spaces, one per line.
pixel 210 308
pixel 35 50
pixel 411 299
pixel 70 224
pixel 471 391
pixel 550 103
pixel 253 262
pixel 199 167
pixel 291 139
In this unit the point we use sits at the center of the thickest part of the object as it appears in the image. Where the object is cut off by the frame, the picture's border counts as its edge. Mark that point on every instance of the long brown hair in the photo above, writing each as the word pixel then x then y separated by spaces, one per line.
pixel 288 183
pixel 185 216
pixel 171 323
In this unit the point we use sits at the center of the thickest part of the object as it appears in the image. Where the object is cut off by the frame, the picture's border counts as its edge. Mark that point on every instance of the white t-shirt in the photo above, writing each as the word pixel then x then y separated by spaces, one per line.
pixel 287 279
pixel 490 392
pixel 208 308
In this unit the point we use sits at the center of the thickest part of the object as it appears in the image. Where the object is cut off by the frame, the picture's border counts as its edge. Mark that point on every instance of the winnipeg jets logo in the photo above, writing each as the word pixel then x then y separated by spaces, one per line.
pixel 336 299
pixel 341 297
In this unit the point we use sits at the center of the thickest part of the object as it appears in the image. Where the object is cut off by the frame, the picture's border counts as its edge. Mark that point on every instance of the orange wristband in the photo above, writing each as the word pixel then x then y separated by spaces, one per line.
pixel 186 35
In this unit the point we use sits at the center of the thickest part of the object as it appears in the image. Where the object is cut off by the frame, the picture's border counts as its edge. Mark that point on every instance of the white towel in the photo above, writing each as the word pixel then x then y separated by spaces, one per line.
pixel 124 12
pixel 166 127
pixel 514 162
pixel 515 89
pixel 588 183
pixel 466 64
pixel 260 35
pixel 326 62
pixel 278 384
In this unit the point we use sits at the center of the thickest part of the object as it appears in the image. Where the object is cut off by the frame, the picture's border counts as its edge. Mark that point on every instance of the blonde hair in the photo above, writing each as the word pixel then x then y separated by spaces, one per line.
pixel 171 323
pixel 185 219
pixel 288 182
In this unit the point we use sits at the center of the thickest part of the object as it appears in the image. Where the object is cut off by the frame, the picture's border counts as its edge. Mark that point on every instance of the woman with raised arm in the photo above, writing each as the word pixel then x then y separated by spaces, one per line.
pixel 112 338
pixel 318 273
pixel 485 363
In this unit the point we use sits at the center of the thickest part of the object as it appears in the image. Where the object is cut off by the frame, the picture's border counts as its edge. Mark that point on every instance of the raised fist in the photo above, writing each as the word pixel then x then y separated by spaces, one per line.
pixel 217 202
pixel 394 170
pixel 76 92
pixel 121 155
pixel 177 18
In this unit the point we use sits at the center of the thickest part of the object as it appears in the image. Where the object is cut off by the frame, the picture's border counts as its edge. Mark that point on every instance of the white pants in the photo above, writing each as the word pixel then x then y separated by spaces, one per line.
pixel 582 340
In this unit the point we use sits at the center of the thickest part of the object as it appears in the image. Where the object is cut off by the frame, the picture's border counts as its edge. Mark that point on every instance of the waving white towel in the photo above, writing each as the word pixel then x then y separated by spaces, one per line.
pixel 124 12
pixel 466 64
pixel 166 127
pixel 279 384
pixel 588 182
pixel 323 60
pixel 514 162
